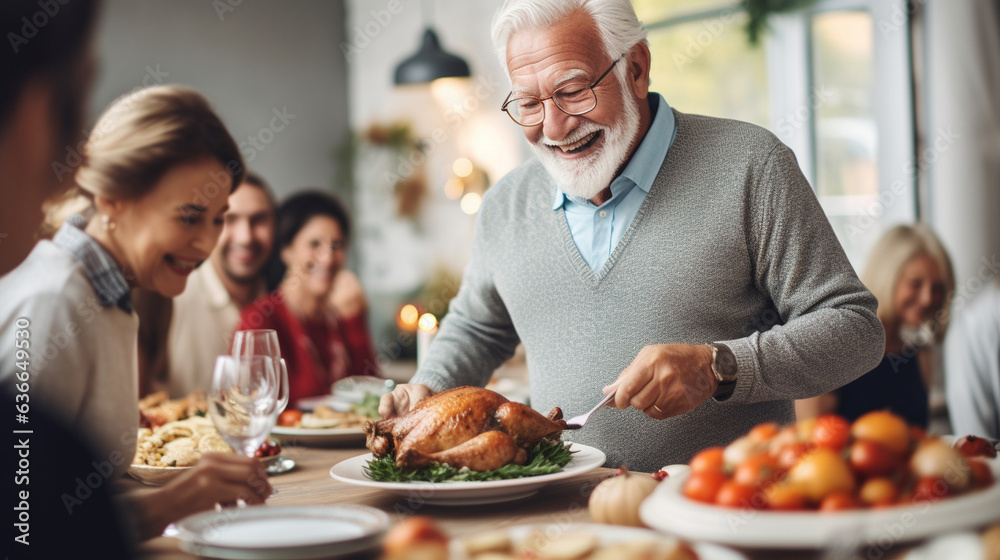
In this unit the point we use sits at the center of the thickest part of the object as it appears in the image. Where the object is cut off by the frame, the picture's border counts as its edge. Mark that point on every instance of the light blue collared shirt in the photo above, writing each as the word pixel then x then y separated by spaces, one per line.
pixel 598 229
pixel 104 273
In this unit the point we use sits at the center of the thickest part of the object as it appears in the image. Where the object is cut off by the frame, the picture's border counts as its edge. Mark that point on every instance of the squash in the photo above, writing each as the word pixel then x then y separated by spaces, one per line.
pixel 616 500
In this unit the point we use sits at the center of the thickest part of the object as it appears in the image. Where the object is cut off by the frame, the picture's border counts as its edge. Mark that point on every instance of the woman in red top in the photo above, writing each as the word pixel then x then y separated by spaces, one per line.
pixel 319 346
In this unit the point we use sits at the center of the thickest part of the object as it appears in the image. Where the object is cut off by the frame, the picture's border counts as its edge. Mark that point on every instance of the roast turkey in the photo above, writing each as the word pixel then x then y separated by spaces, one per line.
pixel 463 427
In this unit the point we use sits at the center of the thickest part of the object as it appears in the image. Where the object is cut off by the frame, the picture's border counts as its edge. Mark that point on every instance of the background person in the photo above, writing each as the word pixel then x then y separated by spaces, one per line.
pixel 972 366
pixel 149 159
pixel 191 330
pixel 318 345
pixel 637 237
pixel 910 273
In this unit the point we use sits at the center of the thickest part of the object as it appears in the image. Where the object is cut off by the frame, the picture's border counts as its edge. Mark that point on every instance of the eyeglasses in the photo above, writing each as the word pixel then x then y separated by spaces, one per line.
pixel 572 99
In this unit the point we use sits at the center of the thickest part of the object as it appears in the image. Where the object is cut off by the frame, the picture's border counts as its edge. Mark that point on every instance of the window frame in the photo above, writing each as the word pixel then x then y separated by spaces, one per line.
pixel 790 76
pixel 790 69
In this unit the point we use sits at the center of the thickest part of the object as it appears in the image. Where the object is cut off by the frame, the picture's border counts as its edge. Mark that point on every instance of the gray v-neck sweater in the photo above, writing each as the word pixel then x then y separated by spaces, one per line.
pixel 729 246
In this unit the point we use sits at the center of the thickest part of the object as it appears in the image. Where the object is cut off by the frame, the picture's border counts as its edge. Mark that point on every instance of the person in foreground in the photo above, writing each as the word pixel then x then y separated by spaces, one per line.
pixel 910 273
pixel 42 97
pixel 319 345
pixel 679 260
pixel 159 168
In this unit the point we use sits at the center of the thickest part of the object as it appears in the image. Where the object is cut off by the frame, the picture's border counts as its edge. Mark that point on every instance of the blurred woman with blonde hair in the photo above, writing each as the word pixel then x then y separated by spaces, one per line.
pixel 910 273
pixel 157 172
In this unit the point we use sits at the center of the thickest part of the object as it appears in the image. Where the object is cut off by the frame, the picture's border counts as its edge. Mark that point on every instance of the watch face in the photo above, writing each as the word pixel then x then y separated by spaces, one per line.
pixel 725 362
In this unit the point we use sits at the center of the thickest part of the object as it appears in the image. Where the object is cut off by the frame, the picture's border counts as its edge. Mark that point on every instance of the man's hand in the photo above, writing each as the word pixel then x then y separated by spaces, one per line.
pixel 402 399
pixel 665 380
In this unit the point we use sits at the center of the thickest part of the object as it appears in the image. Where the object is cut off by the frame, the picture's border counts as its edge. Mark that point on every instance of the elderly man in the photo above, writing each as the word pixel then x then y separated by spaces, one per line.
pixel 680 260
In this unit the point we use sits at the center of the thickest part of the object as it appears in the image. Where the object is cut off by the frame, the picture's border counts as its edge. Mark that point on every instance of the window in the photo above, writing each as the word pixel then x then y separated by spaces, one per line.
pixel 832 82
pixel 701 62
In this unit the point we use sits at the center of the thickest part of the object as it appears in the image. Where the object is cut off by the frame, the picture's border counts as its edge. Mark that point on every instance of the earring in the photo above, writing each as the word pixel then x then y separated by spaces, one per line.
pixel 107 223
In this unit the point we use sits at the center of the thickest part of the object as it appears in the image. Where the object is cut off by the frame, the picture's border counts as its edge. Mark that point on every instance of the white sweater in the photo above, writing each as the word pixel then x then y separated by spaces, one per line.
pixel 82 363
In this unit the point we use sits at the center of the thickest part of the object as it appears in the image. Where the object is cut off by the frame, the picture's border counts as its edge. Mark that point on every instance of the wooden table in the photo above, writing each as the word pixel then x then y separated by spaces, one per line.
pixel 560 503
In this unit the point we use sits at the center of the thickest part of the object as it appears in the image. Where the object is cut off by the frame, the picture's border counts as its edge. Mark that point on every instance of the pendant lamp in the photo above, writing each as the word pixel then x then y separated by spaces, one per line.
pixel 430 63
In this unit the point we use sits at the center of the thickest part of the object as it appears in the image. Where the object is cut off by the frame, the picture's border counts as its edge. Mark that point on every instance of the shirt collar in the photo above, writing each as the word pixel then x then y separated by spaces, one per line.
pixel 103 272
pixel 648 157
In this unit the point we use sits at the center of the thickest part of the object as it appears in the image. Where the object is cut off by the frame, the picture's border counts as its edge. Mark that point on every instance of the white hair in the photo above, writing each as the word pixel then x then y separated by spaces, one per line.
pixel 617 24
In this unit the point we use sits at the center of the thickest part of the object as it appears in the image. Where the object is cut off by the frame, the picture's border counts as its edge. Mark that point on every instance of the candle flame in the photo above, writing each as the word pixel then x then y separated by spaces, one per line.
pixel 408 315
pixel 428 322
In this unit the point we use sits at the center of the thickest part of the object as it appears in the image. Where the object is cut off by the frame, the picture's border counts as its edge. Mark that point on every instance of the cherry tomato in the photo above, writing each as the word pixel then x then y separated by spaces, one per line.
pixel 412 531
pixel 735 495
pixel 839 501
pixel 703 486
pixel 972 446
pixel 878 490
pixel 290 418
pixel 790 454
pixel 831 432
pixel 267 449
pixel 930 489
pixel 757 471
pixel 981 473
pixel 917 433
pixel 708 460
pixel 822 472
pixel 871 458
pixel 763 432
pixel 884 427
pixel 784 497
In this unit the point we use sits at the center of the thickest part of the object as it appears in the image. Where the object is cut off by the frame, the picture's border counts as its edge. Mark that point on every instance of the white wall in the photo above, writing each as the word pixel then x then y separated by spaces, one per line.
pixel 456 120
pixel 962 149
pixel 259 57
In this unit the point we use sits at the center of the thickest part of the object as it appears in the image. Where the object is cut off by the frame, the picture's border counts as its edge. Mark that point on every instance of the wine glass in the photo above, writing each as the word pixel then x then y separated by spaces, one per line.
pixel 243 400
pixel 264 342
pixel 258 342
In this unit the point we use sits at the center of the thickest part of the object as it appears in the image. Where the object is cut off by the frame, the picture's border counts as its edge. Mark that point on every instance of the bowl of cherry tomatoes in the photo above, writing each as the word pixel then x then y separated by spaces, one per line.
pixel 828 473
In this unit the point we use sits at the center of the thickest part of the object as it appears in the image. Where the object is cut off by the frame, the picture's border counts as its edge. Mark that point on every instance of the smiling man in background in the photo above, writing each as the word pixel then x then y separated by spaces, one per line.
pixel 641 252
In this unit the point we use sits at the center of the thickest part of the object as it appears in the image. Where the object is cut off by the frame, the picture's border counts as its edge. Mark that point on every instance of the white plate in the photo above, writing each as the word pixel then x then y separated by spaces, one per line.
pixel 584 460
pixel 668 510
pixel 957 546
pixel 347 391
pixel 309 404
pixel 319 436
pixel 157 476
pixel 606 534
pixel 288 532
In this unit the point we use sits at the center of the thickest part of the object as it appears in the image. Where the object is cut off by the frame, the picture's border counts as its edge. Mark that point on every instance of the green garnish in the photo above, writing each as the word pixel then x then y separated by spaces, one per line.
pixel 546 457
pixel 368 406
pixel 173 463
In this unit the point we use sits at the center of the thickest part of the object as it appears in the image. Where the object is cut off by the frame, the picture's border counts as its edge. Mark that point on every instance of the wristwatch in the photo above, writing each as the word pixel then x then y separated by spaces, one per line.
pixel 724 367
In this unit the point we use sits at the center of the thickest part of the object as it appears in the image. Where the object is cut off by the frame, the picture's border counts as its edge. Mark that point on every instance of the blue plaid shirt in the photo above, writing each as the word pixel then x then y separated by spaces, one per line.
pixel 104 273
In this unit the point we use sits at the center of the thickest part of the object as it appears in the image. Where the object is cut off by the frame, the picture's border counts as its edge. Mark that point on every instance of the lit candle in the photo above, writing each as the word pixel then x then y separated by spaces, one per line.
pixel 407 318
pixel 426 331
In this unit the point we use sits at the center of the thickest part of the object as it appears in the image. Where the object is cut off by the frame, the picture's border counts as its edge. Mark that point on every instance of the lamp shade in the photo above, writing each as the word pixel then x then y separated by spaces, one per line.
pixel 430 63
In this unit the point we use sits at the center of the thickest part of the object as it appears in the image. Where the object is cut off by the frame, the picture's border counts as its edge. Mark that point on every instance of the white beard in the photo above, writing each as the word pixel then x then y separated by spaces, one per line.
pixel 587 177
